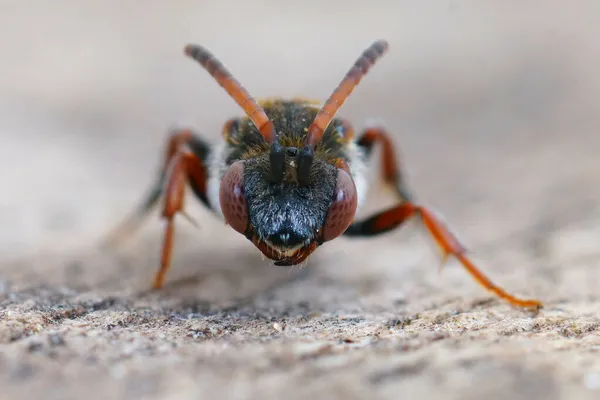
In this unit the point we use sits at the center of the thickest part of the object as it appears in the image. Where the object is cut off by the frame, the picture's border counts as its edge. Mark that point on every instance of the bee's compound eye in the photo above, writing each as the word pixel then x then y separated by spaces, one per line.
pixel 342 209
pixel 231 197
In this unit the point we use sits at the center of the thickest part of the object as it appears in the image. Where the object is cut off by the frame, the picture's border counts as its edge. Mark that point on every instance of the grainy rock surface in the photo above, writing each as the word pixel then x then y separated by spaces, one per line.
pixel 495 110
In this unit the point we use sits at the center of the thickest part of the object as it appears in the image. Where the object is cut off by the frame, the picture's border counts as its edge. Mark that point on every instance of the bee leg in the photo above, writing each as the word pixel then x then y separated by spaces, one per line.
pixel 394 217
pixel 184 167
pixel 132 223
pixel 184 163
pixel 390 167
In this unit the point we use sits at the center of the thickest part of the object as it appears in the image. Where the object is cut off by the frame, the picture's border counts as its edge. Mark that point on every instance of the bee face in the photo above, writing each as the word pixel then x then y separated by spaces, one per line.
pixel 285 220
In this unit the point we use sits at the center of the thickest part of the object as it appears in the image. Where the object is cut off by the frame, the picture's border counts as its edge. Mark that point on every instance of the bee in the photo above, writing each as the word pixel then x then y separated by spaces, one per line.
pixel 290 176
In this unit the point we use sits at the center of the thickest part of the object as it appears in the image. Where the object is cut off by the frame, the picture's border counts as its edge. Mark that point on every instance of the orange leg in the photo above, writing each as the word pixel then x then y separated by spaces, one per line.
pixel 390 169
pixel 394 217
pixel 183 164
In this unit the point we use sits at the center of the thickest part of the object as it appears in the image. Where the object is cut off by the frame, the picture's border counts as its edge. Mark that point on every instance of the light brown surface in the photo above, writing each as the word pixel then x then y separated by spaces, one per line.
pixel 496 110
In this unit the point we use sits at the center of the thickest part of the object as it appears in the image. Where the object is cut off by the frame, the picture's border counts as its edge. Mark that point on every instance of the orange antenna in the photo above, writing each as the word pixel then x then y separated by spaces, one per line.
pixel 333 104
pixel 344 89
pixel 224 78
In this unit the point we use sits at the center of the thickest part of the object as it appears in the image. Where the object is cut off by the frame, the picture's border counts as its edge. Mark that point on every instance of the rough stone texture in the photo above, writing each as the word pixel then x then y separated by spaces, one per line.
pixel 496 110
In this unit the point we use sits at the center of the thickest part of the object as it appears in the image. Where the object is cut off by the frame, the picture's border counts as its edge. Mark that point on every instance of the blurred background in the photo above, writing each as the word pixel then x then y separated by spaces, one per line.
pixel 494 105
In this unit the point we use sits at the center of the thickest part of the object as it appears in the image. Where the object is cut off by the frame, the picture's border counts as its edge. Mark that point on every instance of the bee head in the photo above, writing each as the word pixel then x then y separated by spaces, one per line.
pixel 290 200
pixel 287 220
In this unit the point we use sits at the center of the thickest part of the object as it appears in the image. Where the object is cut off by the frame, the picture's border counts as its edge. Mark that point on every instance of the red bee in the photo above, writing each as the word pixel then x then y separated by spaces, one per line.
pixel 289 176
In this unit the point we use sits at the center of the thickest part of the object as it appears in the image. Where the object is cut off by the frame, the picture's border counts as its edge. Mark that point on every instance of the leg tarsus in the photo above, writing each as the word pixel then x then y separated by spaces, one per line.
pixel 165 261
pixel 448 243
pixel 178 172
pixel 183 163
pixel 451 246
pixel 392 218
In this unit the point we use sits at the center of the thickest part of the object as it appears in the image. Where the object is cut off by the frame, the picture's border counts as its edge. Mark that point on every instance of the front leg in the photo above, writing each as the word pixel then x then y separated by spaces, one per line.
pixel 184 163
pixel 394 217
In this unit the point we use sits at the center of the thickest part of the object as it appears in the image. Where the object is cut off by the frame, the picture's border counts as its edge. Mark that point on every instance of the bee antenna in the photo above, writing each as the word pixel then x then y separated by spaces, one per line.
pixel 315 132
pixel 305 160
pixel 277 159
pixel 224 78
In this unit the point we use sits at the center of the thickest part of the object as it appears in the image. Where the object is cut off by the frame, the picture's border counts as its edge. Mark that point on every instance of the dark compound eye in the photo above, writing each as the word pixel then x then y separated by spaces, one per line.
pixel 341 212
pixel 232 199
